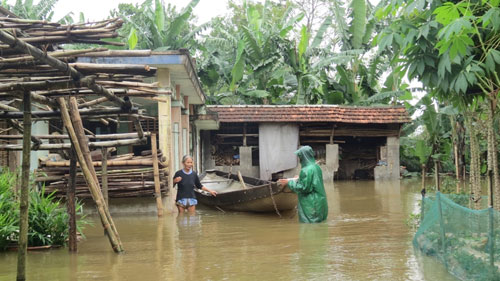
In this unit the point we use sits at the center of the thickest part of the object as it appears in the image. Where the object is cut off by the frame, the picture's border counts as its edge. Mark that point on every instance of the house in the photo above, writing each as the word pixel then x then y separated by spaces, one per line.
pixel 259 140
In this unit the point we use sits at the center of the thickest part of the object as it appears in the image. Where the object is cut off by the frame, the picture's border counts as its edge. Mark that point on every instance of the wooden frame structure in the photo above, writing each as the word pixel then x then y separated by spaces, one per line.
pixel 36 73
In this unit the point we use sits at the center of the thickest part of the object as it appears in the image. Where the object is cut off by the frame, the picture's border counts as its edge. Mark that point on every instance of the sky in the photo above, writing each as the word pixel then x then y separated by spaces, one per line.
pixel 99 9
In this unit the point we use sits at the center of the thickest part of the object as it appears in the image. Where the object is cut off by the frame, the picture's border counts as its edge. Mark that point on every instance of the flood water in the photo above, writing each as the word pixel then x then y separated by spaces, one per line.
pixel 364 238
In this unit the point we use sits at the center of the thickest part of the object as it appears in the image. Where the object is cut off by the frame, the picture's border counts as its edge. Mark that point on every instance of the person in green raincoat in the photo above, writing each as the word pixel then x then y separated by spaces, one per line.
pixel 313 206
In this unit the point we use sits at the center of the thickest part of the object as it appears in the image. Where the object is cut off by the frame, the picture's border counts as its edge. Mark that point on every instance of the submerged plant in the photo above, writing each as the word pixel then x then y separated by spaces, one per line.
pixel 47 217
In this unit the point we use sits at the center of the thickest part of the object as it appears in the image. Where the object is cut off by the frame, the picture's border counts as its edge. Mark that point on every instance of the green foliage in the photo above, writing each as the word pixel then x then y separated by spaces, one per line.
pixel 156 26
pixel 43 10
pixel 47 217
pixel 358 24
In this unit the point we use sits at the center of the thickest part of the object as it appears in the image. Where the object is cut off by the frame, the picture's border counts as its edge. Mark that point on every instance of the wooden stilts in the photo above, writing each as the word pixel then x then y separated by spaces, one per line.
pixel 24 200
pixel 90 179
pixel 82 140
pixel 156 174
pixel 70 201
pixel 104 175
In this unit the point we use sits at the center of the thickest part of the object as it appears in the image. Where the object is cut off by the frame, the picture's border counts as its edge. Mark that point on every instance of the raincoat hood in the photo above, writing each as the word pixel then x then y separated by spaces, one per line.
pixel 306 155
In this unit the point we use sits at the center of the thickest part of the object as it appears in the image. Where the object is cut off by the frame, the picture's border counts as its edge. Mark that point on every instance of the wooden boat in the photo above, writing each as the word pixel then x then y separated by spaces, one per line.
pixel 257 195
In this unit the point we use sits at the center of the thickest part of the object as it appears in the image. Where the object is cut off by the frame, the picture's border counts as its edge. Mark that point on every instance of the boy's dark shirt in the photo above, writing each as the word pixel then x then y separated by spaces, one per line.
pixel 185 188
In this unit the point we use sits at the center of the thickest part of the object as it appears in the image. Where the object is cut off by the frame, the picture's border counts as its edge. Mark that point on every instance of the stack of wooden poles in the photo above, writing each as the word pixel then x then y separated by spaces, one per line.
pixel 127 176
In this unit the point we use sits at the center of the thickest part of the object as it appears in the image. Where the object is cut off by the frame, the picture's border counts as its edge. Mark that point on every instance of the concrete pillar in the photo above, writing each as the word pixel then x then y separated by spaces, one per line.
pixel 332 161
pixel 393 157
pixel 389 156
pixel 38 128
pixel 165 135
pixel 245 160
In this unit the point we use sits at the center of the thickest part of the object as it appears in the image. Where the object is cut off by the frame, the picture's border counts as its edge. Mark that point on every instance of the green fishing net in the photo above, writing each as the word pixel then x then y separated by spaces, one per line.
pixel 466 241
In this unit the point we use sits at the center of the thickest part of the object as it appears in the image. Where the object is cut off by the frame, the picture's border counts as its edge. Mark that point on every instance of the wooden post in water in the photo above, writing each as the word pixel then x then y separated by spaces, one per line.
pixel 89 175
pixel 70 201
pixel 104 175
pixel 25 181
pixel 156 174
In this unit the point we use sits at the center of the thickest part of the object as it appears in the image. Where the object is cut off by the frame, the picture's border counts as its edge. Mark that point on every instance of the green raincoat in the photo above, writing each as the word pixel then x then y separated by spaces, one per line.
pixel 313 206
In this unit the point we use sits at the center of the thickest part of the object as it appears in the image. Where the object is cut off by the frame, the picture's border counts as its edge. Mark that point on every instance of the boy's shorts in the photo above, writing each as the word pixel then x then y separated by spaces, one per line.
pixel 187 202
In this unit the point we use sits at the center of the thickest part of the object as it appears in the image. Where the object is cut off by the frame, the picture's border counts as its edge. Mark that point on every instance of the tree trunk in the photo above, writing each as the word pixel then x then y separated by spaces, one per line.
pixel 493 157
pixel 454 133
pixel 25 181
pixel 423 176
pixel 475 169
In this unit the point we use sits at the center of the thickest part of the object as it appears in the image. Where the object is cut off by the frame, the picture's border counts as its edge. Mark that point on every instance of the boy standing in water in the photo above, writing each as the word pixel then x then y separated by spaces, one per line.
pixel 187 180
pixel 313 206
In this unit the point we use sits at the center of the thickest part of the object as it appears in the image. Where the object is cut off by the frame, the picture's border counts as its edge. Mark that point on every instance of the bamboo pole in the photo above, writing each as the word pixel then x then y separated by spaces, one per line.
pixel 156 174
pixel 61 66
pixel 101 136
pixel 104 174
pixel 144 162
pixel 56 54
pixel 50 146
pixel 70 197
pixel 24 199
pixel 138 69
pixel 95 112
pixel 92 183
pixel 7 107
pixel 93 102
pixel 80 135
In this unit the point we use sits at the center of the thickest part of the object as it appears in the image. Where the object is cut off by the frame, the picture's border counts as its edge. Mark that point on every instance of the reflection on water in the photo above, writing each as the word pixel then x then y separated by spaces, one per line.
pixel 364 238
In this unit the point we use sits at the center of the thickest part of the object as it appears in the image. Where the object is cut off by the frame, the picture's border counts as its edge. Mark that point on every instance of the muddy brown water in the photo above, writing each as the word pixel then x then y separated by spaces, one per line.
pixel 364 238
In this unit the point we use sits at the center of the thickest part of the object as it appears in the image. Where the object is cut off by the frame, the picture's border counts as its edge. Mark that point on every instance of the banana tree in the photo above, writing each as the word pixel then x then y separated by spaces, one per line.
pixel 300 58
pixel 257 59
pixel 43 10
pixel 359 77
pixel 158 27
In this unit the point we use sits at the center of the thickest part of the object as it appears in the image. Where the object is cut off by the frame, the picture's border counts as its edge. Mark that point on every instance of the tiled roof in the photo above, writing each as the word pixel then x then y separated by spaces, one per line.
pixel 310 113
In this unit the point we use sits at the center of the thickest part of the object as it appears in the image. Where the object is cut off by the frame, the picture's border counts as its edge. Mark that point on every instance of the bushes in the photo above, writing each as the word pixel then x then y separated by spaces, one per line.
pixel 47 217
